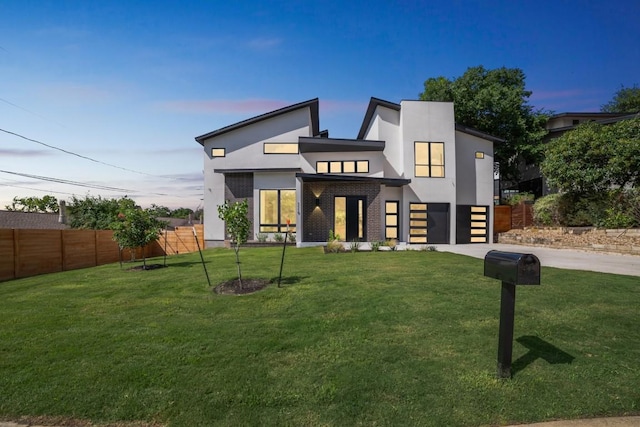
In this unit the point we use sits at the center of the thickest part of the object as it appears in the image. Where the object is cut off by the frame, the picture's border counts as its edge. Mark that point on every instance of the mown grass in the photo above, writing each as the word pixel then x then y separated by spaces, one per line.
pixel 394 338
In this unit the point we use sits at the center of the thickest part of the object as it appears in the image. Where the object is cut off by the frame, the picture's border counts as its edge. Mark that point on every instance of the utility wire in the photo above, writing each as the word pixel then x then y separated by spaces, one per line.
pixel 79 184
pixel 78 155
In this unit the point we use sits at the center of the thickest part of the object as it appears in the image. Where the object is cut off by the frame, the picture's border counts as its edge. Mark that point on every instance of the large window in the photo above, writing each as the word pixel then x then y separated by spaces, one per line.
pixel 276 206
pixel 429 159
pixel 280 148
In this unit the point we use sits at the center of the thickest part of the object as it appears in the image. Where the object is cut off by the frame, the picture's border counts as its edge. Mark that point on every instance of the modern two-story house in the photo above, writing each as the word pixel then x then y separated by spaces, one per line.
pixel 411 174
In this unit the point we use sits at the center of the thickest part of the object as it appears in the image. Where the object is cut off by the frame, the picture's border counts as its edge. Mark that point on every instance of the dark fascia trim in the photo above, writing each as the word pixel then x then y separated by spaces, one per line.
pixel 371 109
pixel 479 134
pixel 252 170
pixel 389 182
pixel 605 121
pixel 328 145
pixel 312 104
pixel 588 114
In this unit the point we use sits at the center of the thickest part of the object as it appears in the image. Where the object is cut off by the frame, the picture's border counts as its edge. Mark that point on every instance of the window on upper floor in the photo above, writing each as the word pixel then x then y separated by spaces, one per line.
pixel 280 148
pixel 429 159
pixel 343 166
pixel 218 152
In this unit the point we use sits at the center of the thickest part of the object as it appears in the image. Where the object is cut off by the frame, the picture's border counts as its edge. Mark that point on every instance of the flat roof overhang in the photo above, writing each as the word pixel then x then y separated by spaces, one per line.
pixel 254 170
pixel 328 145
pixel 321 177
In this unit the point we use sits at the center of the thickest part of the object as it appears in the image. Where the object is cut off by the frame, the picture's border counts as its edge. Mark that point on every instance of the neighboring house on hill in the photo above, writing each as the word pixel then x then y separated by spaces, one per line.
pixel 31 220
pixel 411 174
pixel 531 180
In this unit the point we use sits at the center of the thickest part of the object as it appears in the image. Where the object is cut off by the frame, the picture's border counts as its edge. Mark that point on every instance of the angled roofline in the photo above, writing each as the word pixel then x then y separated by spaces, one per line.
pixel 371 109
pixel 475 132
pixel 312 104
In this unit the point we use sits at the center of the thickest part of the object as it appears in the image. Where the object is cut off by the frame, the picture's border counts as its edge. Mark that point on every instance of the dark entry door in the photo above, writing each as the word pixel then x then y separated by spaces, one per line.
pixel 355 218
pixel 350 217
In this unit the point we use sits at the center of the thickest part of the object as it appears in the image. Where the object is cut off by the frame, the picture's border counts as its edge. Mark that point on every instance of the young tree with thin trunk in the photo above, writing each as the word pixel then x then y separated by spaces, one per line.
pixel 235 216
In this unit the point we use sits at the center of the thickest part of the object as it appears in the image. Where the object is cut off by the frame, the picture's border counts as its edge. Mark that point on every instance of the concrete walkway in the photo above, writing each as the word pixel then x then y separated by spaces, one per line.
pixel 561 258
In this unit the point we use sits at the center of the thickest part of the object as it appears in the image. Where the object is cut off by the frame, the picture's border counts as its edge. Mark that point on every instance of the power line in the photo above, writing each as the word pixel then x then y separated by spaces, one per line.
pixel 79 155
pixel 79 184
pixel 28 111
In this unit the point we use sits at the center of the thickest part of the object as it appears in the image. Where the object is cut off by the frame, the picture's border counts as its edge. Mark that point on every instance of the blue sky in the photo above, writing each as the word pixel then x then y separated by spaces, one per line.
pixel 130 84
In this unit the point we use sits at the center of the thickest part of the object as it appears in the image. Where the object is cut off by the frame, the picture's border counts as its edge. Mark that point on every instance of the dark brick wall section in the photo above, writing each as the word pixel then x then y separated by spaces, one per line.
pixel 237 187
pixel 318 221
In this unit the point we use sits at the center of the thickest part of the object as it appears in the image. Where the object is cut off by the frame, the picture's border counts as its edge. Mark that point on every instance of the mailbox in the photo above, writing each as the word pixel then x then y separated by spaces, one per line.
pixel 512 267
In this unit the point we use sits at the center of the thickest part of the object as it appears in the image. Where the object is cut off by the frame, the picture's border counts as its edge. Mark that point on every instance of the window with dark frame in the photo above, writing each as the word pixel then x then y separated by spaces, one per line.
pixel 391 219
pixel 280 148
pixel 429 159
pixel 276 206
pixel 342 166
pixel 218 152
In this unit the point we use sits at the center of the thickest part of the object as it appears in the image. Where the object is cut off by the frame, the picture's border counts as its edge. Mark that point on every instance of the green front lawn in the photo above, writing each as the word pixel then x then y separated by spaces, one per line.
pixel 393 338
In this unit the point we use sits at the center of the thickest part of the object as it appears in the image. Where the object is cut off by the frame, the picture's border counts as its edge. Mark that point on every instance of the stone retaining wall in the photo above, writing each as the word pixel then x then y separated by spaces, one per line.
pixel 584 238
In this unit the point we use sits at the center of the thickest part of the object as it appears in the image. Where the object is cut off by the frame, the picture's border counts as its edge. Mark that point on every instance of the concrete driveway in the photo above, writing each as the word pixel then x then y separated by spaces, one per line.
pixel 561 258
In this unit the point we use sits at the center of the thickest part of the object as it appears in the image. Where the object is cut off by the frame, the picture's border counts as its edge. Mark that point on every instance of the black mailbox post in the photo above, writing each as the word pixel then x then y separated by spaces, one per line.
pixel 512 269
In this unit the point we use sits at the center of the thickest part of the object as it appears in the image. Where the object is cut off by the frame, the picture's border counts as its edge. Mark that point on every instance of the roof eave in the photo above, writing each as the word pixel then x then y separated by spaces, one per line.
pixel 312 104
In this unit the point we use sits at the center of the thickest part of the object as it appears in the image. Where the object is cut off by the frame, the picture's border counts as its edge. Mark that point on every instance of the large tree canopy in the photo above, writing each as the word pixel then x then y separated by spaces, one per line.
pixel 495 102
pixel 96 213
pixel 594 158
pixel 625 100
pixel 44 204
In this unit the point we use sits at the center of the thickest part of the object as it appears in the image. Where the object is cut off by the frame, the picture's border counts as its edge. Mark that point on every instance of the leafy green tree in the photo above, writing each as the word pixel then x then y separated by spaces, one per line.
pixel 495 102
pixel 43 204
pixel 96 213
pixel 159 211
pixel 594 158
pixel 235 216
pixel 136 228
pixel 625 100
pixel 181 213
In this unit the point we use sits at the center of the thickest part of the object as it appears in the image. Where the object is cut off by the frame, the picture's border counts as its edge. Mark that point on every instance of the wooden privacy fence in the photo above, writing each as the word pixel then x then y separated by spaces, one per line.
pixel 507 217
pixel 25 253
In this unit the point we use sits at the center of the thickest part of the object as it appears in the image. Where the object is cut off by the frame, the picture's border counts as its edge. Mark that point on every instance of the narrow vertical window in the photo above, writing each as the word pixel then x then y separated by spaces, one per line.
pixel 391 210
pixel 417 223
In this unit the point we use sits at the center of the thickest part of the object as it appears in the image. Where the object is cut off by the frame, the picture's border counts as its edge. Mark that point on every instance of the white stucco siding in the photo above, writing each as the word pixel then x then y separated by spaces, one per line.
pixel 475 176
pixel 213 196
pixel 244 149
pixel 388 127
pixel 430 122
pixel 375 159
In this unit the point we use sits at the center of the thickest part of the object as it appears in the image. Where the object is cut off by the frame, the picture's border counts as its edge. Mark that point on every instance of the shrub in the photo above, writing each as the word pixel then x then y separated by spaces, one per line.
pixel 375 246
pixel 517 198
pixel 546 210
pixel 292 237
pixel 354 246
pixel 278 237
pixel 334 246
pixel 262 237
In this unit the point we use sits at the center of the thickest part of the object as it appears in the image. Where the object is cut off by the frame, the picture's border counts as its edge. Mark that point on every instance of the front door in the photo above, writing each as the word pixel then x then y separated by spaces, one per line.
pixel 350 217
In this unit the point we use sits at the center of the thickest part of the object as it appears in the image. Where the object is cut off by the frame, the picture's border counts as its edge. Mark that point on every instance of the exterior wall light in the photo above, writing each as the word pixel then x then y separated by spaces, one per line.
pixel 317 202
